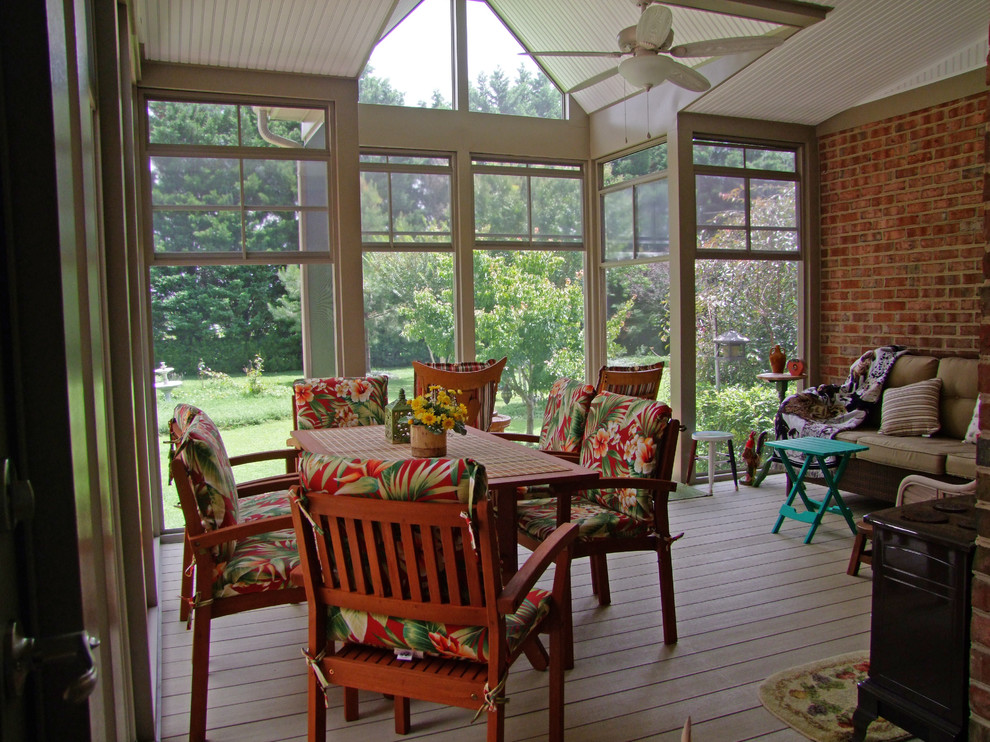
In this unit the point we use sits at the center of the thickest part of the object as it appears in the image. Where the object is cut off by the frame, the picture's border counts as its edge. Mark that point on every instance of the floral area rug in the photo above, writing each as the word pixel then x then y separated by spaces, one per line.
pixel 818 699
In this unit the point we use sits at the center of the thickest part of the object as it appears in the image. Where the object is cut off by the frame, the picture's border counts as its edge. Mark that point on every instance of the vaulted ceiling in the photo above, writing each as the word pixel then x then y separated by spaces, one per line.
pixel 862 50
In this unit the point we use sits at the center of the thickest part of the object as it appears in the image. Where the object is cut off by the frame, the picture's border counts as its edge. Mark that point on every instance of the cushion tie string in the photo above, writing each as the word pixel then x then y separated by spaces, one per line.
pixel 302 509
pixel 470 529
pixel 193 602
pixel 314 665
pixel 492 698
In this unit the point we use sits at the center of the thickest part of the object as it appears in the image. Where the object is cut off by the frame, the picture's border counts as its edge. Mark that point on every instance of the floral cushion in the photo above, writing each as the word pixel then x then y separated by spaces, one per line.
pixel 257 564
pixel 440 480
pixel 538 519
pixel 340 402
pixel 565 415
pixel 445 640
pixel 620 440
pixel 200 449
pixel 267 505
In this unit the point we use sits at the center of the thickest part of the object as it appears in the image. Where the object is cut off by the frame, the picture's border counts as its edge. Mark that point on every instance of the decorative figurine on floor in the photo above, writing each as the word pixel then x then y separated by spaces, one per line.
pixel 753 455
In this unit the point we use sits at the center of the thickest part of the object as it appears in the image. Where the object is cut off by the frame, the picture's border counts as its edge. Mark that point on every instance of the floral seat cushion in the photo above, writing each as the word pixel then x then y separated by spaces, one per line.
pixel 620 440
pixel 538 518
pixel 444 640
pixel 565 415
pixel 200 449
pixel 340 402
pixel 258 563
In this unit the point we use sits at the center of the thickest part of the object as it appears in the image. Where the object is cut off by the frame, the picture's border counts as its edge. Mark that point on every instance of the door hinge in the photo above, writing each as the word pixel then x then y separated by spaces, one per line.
pixel 16 498
pixel 20 654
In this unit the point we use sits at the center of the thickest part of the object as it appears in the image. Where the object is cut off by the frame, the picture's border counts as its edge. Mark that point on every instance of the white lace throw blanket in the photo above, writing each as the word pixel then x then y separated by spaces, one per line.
pixel 825 410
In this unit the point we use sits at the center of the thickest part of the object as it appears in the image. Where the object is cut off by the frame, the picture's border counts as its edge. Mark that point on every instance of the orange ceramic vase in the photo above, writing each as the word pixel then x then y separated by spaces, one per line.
pixel 777 360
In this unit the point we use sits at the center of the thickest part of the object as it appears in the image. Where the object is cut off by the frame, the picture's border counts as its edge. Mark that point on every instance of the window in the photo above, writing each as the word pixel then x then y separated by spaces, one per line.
pixel 529 278
pixel 527 203
pixel 405 199
pixel 634 204
pixel 412 65
pixel 746 277
pixel 239 196
pixel 219 186
pixel 408 259
pixel 746 198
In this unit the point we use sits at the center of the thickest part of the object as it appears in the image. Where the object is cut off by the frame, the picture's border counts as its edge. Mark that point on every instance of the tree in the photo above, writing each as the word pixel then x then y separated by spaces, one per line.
pixel 374 89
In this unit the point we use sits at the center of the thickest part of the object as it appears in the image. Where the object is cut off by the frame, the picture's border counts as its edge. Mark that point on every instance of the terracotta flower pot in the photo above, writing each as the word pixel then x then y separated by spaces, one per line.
pixel 426 444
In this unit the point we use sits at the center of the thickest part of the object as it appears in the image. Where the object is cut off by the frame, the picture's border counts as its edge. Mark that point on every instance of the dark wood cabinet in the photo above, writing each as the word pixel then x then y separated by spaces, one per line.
pixel 919 638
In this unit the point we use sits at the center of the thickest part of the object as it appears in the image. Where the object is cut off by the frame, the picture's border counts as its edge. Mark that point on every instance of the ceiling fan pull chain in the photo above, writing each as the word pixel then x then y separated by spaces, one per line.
pixel 648 127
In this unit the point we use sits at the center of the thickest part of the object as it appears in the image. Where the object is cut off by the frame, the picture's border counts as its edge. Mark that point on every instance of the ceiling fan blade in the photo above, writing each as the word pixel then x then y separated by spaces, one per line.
pixel 653 27
pixel 721 47
pixel 684 76
pixel 602 76
pixel 614 55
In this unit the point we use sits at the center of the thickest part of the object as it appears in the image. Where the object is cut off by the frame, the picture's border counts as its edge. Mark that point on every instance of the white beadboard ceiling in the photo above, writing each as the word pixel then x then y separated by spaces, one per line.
pixel 863 50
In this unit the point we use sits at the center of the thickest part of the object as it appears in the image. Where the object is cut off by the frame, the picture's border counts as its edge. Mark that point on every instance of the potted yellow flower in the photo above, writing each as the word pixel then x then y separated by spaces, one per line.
pixel 435 414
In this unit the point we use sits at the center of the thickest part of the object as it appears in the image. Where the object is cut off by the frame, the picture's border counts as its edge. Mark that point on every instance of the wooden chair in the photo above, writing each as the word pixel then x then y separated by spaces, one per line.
pixel 628 512
pixel 238 539
pixel 634 381
pixel 477 382
pixel 564 419
pixel 339 401
pixel 370 621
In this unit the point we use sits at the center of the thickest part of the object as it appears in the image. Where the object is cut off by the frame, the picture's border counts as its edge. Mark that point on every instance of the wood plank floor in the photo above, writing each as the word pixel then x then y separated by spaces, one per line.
pixel 749 603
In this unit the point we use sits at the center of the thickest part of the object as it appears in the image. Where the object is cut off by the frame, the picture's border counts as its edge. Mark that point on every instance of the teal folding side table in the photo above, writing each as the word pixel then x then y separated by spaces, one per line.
pixel 816 452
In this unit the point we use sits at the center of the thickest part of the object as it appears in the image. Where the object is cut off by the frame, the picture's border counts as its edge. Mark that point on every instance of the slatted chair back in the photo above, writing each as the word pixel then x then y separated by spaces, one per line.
pixel 477 382
pixel 641 381
pixel 339 402
pixel 401 571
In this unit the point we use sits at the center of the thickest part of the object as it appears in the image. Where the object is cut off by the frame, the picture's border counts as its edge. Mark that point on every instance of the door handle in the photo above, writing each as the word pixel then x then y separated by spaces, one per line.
pixel 16 498
pixel 21 654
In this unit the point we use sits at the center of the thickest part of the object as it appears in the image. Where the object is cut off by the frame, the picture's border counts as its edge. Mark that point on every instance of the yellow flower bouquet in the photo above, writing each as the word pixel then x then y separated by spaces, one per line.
pixel 438 411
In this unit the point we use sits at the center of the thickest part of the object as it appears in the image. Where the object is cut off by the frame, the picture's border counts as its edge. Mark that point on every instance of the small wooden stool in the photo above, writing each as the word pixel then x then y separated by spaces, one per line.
pixel 860 553
pixel 712 437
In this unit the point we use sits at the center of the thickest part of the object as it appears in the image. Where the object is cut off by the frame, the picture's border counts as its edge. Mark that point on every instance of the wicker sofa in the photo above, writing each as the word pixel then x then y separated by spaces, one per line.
pixel 944 456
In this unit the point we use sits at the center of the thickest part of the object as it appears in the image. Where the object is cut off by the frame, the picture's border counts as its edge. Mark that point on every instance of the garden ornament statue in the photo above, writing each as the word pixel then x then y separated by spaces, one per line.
pixel 753 454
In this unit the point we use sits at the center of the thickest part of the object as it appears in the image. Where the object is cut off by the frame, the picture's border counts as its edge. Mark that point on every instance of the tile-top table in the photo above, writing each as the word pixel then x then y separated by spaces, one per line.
pixel 816 451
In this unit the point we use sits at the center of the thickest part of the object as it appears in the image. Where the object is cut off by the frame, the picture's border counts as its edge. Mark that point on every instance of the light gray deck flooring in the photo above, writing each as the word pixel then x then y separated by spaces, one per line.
pixel 749 603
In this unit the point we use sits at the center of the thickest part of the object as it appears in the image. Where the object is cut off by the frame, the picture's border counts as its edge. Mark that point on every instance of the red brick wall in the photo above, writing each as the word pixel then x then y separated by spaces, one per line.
pixel 902 234
pixel 979 668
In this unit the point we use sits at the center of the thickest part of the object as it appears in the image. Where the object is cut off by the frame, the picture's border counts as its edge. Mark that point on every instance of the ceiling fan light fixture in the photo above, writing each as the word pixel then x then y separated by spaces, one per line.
pixel 644 71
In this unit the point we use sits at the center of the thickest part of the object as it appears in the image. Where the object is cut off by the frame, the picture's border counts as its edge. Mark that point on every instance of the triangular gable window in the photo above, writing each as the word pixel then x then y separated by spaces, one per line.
pixel 411 65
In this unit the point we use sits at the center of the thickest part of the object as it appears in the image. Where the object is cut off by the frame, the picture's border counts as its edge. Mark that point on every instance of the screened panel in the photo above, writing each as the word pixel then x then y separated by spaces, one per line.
pixel 652 217
pixel 617 214
pixel 635 165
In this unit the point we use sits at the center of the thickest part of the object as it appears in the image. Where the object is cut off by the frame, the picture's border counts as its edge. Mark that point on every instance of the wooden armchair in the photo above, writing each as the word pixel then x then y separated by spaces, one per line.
pixel 632 443
pixel 477 382
pixel 239 545
pixel 634 381
pixel 446 633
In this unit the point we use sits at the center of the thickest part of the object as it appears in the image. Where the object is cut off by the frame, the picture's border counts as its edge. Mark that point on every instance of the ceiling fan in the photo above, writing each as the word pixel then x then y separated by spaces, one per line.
pixel 649 46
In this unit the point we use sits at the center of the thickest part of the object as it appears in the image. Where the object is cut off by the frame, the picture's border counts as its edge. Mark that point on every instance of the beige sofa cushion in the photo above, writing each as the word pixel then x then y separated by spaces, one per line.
pixel 923 455
pixel 959 393
pixel 911 410
pixel 962 464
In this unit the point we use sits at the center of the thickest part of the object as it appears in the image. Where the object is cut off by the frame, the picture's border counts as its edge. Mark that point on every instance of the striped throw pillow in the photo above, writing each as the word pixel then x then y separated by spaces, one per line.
pixel 911 409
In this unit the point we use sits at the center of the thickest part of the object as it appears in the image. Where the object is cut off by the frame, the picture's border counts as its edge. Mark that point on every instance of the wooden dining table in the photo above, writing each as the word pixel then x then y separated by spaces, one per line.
pixel 509 466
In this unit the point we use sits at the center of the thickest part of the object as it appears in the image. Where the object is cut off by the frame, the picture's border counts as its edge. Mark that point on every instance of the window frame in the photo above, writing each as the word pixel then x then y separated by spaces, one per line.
pixel 325 155
pixel 748 175
pixel 631 184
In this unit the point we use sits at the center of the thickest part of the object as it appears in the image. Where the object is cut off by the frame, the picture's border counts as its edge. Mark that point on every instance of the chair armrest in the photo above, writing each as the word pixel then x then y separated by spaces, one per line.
pixel 287 454
pixel 917 488
pixel 518 587
pixel 241 530
pixel 267 484
pixel 639 483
